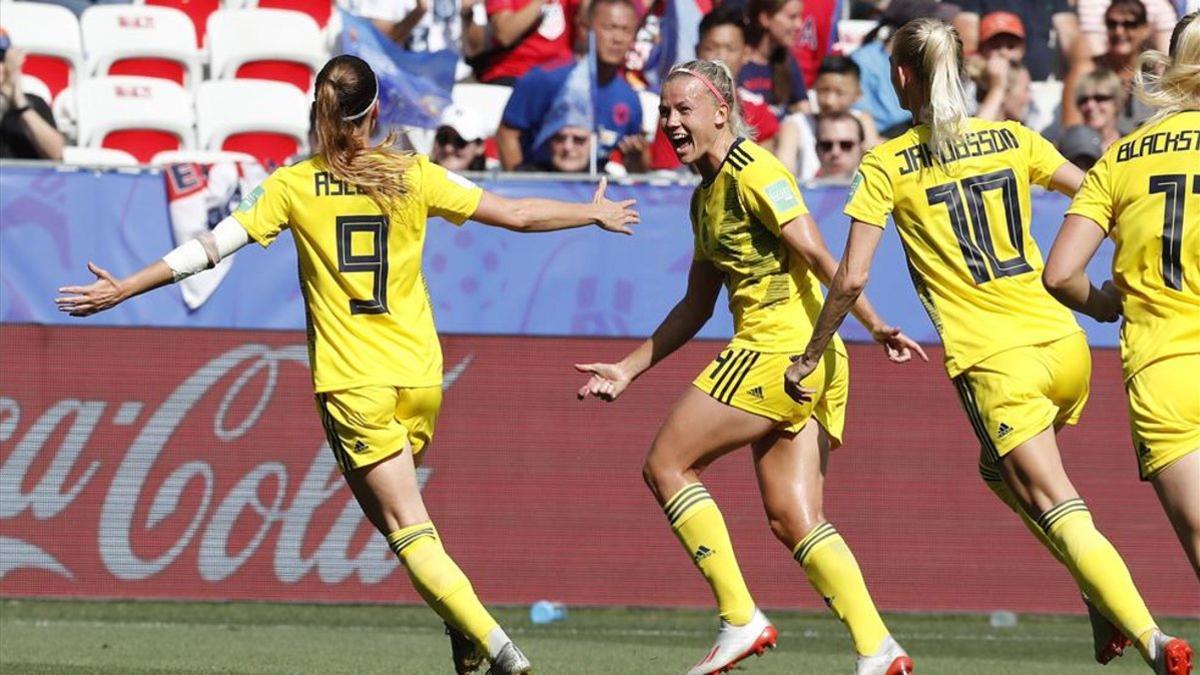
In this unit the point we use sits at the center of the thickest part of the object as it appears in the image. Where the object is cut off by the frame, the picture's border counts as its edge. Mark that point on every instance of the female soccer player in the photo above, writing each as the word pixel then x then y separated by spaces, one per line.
pixel 1145 194
pixel 958 190
pixel 753 234
pixel 358 216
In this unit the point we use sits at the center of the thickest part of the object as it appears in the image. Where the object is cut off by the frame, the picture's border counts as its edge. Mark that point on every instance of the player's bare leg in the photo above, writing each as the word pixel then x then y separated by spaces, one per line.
pixel 1179 491
pixel 1034 473
pixel 697 432
pixel 791 476
pixel 389 496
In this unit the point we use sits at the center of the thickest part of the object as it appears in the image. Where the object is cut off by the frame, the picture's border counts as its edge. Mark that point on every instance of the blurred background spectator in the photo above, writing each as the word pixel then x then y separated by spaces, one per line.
pixel 618 112
pixel 429 25
pixel 818 29
pixel 838 89
pixel 528 33
pixel 1129 34
pixel 839 145
pixel 1003 91
pixel 27 128
pixel 458 141
pixel 1098 98
pixel 1161 15
pixel 1050 30
pixel 569 150
pixel 771 70
pixel 1081 145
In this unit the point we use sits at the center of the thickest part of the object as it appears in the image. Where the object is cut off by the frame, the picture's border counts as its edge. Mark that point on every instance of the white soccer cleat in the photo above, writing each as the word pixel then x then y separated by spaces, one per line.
pixel 889 659
pixel 510 661
pixel 1170 655
pixel 735 643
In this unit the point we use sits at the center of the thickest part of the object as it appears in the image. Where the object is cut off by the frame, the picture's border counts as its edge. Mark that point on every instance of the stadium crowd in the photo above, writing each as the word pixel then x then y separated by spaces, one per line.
pixel 814 86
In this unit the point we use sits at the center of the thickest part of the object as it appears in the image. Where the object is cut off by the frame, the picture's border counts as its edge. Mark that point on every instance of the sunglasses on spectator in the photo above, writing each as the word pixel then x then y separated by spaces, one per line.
pixel 1097 98
pixel 577 139
pixel 827 146
pixel 1113 24
pixel 449 137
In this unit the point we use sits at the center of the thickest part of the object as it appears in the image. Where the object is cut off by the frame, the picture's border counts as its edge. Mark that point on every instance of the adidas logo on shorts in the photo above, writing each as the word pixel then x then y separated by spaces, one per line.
pixel 1003 430
pixel 756 392
pixel 359 446
pixel 701 553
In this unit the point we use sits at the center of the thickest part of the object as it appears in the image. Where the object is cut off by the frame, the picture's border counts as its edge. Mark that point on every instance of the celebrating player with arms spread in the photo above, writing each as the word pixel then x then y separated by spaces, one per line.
pixel 1145 194
pixel 753 233
pixel 358 217
pixel 958 190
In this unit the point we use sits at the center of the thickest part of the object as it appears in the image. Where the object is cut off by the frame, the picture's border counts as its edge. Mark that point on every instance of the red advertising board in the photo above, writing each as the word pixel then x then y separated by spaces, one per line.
pixel 191 464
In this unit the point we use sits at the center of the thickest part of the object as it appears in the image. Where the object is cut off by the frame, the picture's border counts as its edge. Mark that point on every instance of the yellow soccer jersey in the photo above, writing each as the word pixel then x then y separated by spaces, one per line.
pixel 736 219
pixel 1145 193
pixel 964 223
pixel 369 317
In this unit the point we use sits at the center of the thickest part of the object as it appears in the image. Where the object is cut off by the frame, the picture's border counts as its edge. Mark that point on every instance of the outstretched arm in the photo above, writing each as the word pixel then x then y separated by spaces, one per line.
pixel 802 237
pixel 1065 275
pixel 196 255
pixel 680 325
pixel 532 214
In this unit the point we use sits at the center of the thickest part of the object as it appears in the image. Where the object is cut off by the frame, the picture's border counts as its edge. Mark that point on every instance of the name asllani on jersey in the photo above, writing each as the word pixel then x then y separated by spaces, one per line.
pixel 326 185
pixel 973 144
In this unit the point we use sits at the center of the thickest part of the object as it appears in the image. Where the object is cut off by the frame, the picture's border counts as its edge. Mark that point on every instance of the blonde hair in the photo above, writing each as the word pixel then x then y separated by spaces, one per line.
pixel 346 90
pixel 1171 82
pixel 719 76
pixel 932 50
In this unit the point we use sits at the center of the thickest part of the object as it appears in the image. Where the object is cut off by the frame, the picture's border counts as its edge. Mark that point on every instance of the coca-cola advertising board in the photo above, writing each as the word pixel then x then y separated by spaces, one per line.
pixel 171 463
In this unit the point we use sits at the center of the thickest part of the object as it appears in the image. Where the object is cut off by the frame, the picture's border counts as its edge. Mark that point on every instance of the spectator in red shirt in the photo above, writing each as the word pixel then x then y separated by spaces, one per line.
pixel 818 31
pixel 528 33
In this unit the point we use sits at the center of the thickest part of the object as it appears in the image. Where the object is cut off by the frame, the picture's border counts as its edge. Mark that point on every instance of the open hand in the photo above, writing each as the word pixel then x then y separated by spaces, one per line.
pixel 614 216
pixel 101 294
pixel 898 346
pixel 607 382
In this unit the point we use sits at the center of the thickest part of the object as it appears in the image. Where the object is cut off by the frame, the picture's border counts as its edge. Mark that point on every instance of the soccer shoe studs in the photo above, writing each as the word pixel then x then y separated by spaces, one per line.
pixel 465 654
pixel 735 643
pixel 889 659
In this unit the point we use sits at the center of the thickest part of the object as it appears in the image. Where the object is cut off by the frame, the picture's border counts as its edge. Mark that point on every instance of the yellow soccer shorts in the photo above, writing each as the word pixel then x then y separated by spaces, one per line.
pixel 1164 412
pixel 366 425
pixel 753 382
pixel 1013 396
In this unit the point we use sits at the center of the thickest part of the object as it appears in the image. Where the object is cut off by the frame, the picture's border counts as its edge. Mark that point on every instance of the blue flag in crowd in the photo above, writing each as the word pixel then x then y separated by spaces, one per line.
pixel 414 87
pixel 679 31
pixel 574 104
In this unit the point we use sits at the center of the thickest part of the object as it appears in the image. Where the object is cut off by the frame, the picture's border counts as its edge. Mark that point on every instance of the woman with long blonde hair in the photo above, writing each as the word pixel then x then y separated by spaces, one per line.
pixel 754 235
pixel 358 216
pixel 1144 194
pixel 958 189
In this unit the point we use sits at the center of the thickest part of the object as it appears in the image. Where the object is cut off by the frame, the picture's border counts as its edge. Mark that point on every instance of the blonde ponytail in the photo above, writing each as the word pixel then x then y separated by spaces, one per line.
pixel 718 75
pixel 932 50
pixel 1171 82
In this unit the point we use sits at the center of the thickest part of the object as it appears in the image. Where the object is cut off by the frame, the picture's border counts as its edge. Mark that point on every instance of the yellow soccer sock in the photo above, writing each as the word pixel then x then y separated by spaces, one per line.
pixel 833 571
pixel 697 521
pixel 996 484
pixel 442 584
pixel 1098 569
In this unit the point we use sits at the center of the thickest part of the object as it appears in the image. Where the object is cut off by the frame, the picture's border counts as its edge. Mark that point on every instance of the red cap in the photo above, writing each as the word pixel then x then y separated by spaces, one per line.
pixel 997 23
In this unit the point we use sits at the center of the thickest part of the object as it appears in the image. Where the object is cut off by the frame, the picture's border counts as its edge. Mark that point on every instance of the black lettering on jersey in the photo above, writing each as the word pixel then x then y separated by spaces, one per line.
pixel 326 185
pixel 1159 143
pixel 974 144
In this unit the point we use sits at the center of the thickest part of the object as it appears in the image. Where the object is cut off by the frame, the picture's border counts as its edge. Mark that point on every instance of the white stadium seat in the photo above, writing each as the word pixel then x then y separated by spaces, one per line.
pixel 197 10
pixel 268 120
pixel 34 85
pixel 49 35
pixel 140 115
pixel 168 157
pixel 266 44
pixel 649 101
pixel 141 40
pixel 321 11
pixel 106 157
pixel 485 100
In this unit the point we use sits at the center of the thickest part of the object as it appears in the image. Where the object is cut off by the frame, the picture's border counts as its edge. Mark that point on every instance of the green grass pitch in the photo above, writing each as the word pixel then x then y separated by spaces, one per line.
pixel 176 637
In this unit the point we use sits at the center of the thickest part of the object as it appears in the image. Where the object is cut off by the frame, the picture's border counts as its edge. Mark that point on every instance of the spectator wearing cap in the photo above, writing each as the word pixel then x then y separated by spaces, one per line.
pixel 541 94
pixel 874 61
pixel 839 145
pixel 1161 15
pixel 997 72
pixel 1038 18
pixel 428 25
pixel 527 34
pixel 27 128
pixel 1081 145
pixel 458 141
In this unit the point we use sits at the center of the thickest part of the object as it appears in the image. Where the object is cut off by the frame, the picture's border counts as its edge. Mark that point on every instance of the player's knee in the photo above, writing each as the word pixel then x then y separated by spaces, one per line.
pixel 658 472
pixel 790 523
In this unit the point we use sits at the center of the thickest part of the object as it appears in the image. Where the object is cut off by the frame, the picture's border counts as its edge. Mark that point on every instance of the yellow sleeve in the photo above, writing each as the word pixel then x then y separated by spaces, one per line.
pixel 448 194
pixel 1044 158
pixel 771 195
pixel 265 211
pixel 871 198
pixel 1094 200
